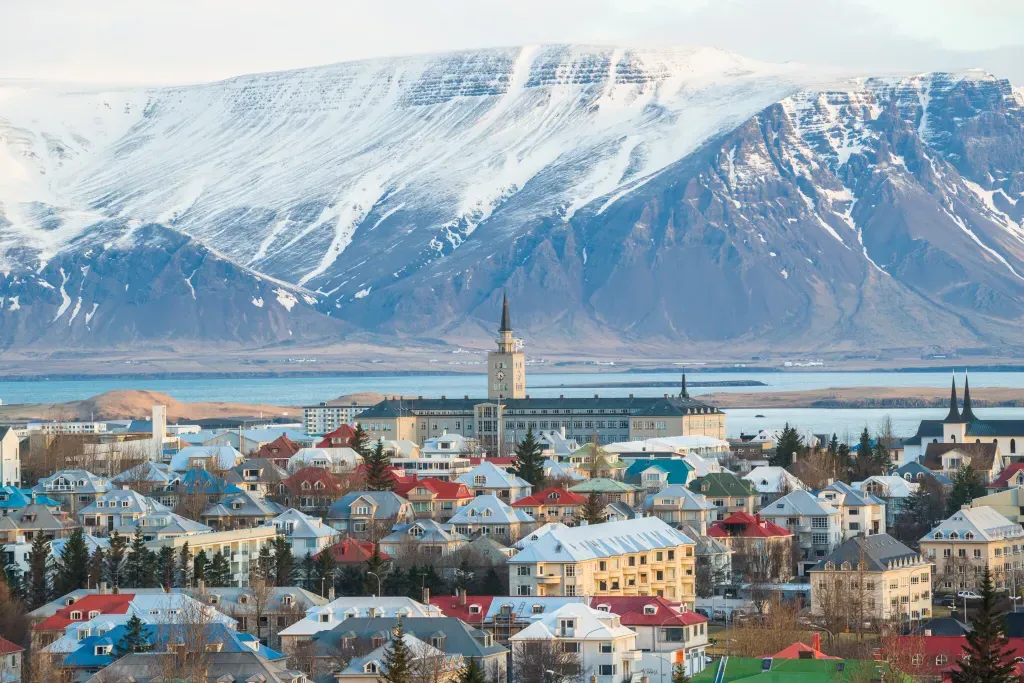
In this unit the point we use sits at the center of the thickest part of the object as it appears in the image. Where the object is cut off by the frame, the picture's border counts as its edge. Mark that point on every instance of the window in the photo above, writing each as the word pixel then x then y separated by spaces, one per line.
pixel 606 669
pixel 371 668
pixel 525 590
pixel 607 648
pixel 570 646
pixel 916 660
pixel 523 570
pixel 324 617
pixel 940 660
pixel 570 570
pixel 76 615
pixel 819 522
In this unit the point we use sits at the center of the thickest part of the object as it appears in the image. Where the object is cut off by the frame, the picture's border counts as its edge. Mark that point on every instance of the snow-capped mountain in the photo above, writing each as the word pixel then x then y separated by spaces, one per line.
pixel 659 195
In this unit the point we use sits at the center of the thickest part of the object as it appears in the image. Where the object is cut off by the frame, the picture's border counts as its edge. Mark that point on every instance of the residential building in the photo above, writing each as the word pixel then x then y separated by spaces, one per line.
pixel 552 505
pixel 240 547
pixel 258 476
pixel 193 490
pixel 13 498
pixel 489 479
pixel 610 491
pixel 892 490
pixel 748 536
pixel 163 524
pixel 11 657
pixel 369 667
pixel 771 437
pixel 654 475
pixel 10 458
pixel 642 556
pixel 279 451
pixel 501 616
pixel 711 448
pixel 215 459
pixel 248 441
pixel 1009 503
pixel 327 418
pixel 877 576
pixel 263 615
pixel 556 445
pixel 116 509
pixel 342 437
pixel 422 537
pixel 369 514
pixel 35 519
pixel 144 477
pixel 592 461
pixel 436 463
pixel 618 512
pixel 349 551
pixel 312 489
pixel 329 616
pixel 435 499
pixel 305 534
pixel 561 472
pixel 816 525
pixel 239 511
pixel 488 515
pixel 1012 476
pixel 74 489
pixel 971 538
pixel 662 628
pixel 861 512
pixel 727 492
pixel 712 554
pixel 337 460
pixel 914 471
pixel 606 648
pixel 220 666
pixel 772 483
pixel 949 457
pixel 677 505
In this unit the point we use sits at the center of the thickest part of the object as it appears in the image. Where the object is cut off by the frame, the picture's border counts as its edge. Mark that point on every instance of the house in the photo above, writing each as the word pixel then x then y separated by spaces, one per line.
pixel 312 489
pixel 949 457
pixel 444 457
pixel 1011 477
pixel 669 447
pixel 663 628
pixel 713 555
pixel 727 492
pixel 263 615
pixel 329 616
pixel 190 492
pixel 257 476
pixel 617 512
pixel 369 514
pixel 240 547
pixel 748 535
pixel 434 498
pixel 214 459
pixel 11 656
pixel 862 513
pixel 487 478
pixel 772 436
pixel 144 477
pixel 342 437
pixel 607 649
pixel 368 668
pixel 501 616
pixel 336 460
pixel 556 445
pixel 239 511
pixel 610 491
pixel 971 538
pixel 162 524
pixel 424 536
pixel 914 471
pixel 248 441
pixel 558 471
pixel 772 483
pixel 448 445
pixel 35 519
pixel 1009 503
pixel 552 505
pixel 13 498
pixel 593 461
pixel 116 509
pixel 10 458
pixel 488 515
pixel 279 451
pixel 893 490
pixel 456 641
pixel 220 666
pixel 816 525
pixel 304 534
pixel 641 556
pixel 677 505
pixel 876 577
pixel 349 551
pixel 654 475
pixel 75 489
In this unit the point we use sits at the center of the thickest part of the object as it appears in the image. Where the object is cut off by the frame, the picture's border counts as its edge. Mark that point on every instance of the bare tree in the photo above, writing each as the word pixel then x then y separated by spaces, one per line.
pixel 533 659
pixel 760 563
pixel 430 665
pixel 776 628
pixel 190 639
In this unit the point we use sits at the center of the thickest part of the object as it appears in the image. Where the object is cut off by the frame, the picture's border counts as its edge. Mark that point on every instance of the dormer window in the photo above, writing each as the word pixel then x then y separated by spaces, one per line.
pixel 125 503
pixel 937 536
pixel 953 535
pixel 324 617
pixel 538 609
pixel 289 600
pixel 76 616
pixel 243 599
pixel 101 650
pixel 604 608
pixel 474 609
pixel 83 633
pixel 318 486
pixel 94 613
pixel 479 480
pixel 650 609
pixel 969 536
pixel 378 641
pixel 371 667
pixel 100 503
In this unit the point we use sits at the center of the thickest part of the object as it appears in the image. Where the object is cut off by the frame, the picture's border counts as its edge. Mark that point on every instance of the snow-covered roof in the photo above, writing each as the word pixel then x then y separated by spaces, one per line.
pixel 769 479
pixel 226 457
pixel 324 457
pixel 121 501
pixel 982 523
pixel 798 503
pixel 489 509
pixel 350 607
pixel 573 544
pixel 537 533
pixel 669 444
pixel 588 624
pixel 296 524
pixel 678 495
pixel 806 436
pixel 892 486
pixel 493 478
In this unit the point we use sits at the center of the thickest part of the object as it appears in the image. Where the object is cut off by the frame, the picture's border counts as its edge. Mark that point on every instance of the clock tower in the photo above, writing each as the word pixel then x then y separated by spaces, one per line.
pixel 506 367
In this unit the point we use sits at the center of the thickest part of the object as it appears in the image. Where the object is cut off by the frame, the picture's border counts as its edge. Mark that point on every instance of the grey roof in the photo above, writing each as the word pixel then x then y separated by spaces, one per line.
pixel 296 524
pixel 269 471
pixel 164 522
pixel 241 666
pixel 877 552
pixel 248 506
pixel 621 509
pixel 706 545
pixel 915 468
pixel 488 548
pixel 854 497
pixel 640 405
pixel 687 499
pixel 489 509
pixel 948 626
pixel 430 532
pixel 388 504
pixel 228 599
pixel 34 516
pixel 981 454
pixel 82 481
pixel 460 638
pixel 113 502
pixel 153 472
pixel 798 503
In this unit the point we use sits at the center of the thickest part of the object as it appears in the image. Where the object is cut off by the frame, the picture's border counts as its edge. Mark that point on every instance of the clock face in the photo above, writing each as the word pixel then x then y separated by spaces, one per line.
pixel 500 375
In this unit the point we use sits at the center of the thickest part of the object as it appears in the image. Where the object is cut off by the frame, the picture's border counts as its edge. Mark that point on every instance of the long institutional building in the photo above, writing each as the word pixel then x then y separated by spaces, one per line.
pixel 508 411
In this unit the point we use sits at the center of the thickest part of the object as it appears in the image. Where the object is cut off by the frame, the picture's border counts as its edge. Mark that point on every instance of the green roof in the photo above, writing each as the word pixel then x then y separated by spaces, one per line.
pixel 722 484
pixel 602 485
pixel 750 669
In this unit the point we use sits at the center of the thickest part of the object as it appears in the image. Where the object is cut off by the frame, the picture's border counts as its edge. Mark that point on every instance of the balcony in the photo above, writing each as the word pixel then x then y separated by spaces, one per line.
pixel 548 578
pixel 633 655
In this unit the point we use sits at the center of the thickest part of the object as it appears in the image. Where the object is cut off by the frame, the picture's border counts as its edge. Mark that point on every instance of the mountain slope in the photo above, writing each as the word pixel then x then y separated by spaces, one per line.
pixel 619 195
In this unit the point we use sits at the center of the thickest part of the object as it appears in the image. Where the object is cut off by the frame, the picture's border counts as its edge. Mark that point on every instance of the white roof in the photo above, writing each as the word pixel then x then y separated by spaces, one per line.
pixel 489 509
pixel 302 525
pixel 590 624
pixel 537 533
pixel 896 487
pixel 494 477
pixel 591 541
pixel 983 522
pixel 768 479
pixel 798 503
pixel 674 444
pixel 349 607
pixel 807 437
pixel 333 456
pixel 689 499
pixel 227 456
pixel 702 466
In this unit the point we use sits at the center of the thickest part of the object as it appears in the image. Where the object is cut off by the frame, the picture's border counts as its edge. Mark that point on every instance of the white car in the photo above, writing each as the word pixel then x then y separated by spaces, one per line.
pixel 968 595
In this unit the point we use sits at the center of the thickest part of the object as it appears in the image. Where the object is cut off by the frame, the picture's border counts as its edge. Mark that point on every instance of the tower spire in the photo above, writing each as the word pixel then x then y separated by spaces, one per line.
pixel 683 393
pixel 506 321
pixel 967 415
pixel 954 409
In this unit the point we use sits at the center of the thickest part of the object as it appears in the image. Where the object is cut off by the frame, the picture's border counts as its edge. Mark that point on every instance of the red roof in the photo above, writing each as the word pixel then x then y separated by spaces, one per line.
pixel 312 475
pixel 398 475
pixel 503 462
pixel 1003 480
pixel 794 650
pixel 550 497
pixel 339 438
pixel 746 525
pixel 285 447
pixel 7 647
pixel 452 606
pixel 950 646
pixel 116 603
pixel 351 551
pixel 643 610
pixel 445 490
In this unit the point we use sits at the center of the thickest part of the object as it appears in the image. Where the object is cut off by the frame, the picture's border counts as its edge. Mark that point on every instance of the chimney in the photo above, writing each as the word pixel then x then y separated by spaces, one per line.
pixel 596 396
pixel 201 584
pixel 426 596
pixel 563 431
pixel 815 638
pixel 462 596
pixel 103 587
pixel 683 393
pixel 631 395
pixel 927 633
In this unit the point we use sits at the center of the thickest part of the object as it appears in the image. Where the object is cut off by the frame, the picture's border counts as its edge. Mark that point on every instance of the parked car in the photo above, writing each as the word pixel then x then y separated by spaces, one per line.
pixel 946 600
pixel 703 612
pixel 967 595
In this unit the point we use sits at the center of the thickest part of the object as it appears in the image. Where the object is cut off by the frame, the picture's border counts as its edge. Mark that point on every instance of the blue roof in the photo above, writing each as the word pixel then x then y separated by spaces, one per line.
pixel 678 470
pixel 13 498
pixel 915 468
pixel 202 481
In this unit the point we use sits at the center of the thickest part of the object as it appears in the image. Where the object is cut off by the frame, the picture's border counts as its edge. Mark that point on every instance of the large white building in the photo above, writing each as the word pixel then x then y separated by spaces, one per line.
pixel 324 418
pixel 10 457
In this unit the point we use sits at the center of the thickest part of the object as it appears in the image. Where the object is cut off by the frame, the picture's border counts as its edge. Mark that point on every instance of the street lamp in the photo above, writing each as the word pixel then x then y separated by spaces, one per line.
pixel 379 591
pixel 1015 598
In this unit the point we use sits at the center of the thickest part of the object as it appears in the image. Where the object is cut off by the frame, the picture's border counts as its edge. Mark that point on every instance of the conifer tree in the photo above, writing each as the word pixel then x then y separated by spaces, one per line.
pixel 284 562
pixel 165 567
pixel 786 448
pixel 199 566
pixel 378 469
pixel 397 665
pixel 38 572
pixel 218 574
pixel 376 564
pixel 96 565
pixel 968 484
pixel 679 674
pixel 492 584
pixel 15 580
pixel 265 564
pixel 350 580
pixel 323 574
pixel 592 511
pixel 307 572
pixel 134 639
pixel 395 581
pixel 73 564
pixel 113 564
pixel 360 441
pixel 881 459
pixel 472 673
pixel 530 460
pixel 988 657
pixel 833 445
pixel 139 562
pixel 186 568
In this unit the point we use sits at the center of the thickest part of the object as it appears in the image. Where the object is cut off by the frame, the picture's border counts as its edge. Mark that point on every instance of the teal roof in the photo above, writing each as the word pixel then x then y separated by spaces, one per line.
pixel 678 471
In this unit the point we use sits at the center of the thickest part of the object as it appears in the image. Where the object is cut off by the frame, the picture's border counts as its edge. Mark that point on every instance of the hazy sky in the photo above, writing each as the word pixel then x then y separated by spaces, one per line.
pixel 160 41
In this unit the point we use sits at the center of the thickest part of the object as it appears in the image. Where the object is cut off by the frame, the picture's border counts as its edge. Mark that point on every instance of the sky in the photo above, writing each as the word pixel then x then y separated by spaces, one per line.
pixel 189 41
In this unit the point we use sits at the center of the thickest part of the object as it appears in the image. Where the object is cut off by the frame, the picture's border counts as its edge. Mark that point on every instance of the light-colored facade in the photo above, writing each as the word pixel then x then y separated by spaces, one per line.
pixel 862 513
pixel 971 538
pixel 816 525
pixel 643 556
pixel 677 505
pixel 329 616
pixel 488 515
pixel 10 457
pixel 324 418
pixel 116 509
pixel 506 367
pixel 1008 503
pixel 240 547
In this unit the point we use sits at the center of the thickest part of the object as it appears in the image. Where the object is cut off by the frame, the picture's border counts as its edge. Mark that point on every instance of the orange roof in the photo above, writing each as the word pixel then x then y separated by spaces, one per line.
pixel 445 490
pixel 116 603
pixel 7 647
pixel 351 551
pixel 284 447
pixel 746 525
pixel 549 497
pixel 339 438
pixel 794 650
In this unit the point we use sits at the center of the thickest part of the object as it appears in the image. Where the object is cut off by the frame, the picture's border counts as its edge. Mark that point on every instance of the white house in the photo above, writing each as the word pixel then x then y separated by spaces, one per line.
pixel 489 478
pixel 116 509
pixel 773 482
pixel 10 457
pixel 816 525
pixel 206 457
pixel 332 459
pixel 326 617
pixel 863 513
pixel 304 533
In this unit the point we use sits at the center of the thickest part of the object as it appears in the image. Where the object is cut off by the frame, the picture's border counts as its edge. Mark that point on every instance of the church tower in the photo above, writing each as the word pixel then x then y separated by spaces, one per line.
pixel 506 367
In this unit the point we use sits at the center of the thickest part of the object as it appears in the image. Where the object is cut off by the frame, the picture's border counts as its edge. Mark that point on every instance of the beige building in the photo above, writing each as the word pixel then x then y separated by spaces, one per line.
pixel 961 547
pixel 643 556
pixel 860 512
pixel 506 367
pixel 1008 503
pixel 873 578
pixel 240 547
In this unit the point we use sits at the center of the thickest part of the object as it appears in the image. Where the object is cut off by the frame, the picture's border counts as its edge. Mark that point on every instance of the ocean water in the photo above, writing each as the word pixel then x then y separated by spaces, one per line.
pixel 295 391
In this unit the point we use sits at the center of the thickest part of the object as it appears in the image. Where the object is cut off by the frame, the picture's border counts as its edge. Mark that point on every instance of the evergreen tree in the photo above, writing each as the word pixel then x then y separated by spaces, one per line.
pixel 396 582
pixel 284 562
pixel 361 441
pixel 833 445
pixel 150 574
pixel 432 581
pixel 988 657
pixel 73 564
pixel 464 575
pixel 864 447
pixel 134 638
pixel 323 573
pixel 378 469
pixel 968 484
pixel 137 570
pixel 592 511
pixel 307 572
pixel 786 448
pixel 881 459
pixel 492 584
pixel 218 574
pixel 679 674
pixel 165 566
pixel 864 464
pixel 114 563
pixel 845 461
pixel 472 673
pixel 96 564
pixel 16 582
pixel 186 568
pixel 397 665
pixel 265 564
pixel 376 564
pixel 530 460
pixel 414 584
pixel 351 578
pixel 199 566
pixel 38 572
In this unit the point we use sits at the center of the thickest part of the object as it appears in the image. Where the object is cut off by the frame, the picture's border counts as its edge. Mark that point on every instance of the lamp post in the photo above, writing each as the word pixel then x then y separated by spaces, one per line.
pixel 379 591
